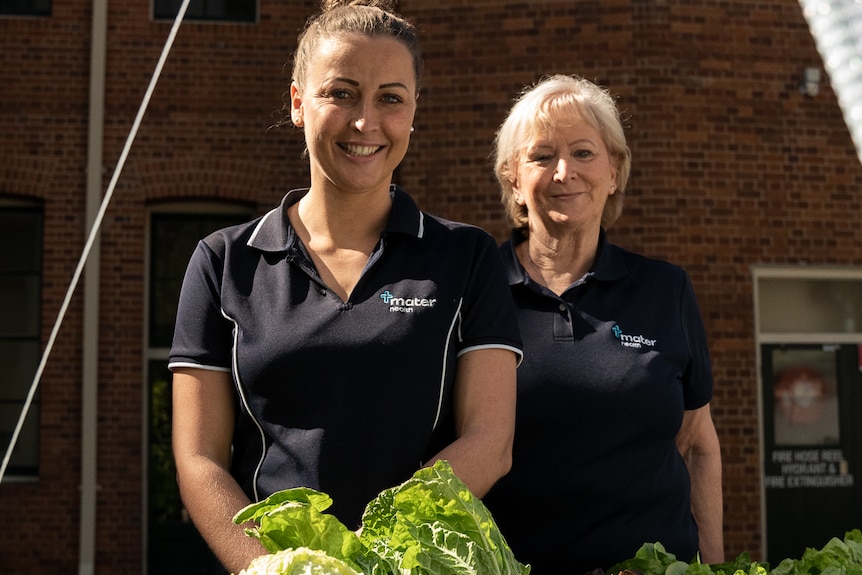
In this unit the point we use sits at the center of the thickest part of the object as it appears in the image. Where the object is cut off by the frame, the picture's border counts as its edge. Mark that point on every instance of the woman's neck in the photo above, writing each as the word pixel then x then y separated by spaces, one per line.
pixel 558 262
pixel 340 233
pixel 342 219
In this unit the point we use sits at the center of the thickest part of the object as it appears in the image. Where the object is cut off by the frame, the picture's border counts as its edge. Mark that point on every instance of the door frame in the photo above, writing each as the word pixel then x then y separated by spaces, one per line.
pixel 763 337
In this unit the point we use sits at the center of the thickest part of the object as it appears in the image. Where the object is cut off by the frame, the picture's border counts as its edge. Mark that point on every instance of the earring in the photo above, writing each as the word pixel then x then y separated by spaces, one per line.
pixel 412 129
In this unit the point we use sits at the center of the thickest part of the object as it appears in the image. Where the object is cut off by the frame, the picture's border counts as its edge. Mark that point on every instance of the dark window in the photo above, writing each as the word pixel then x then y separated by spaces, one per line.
pixel 20 320
pixel 227 10
pixel 173 237
pixel 25 7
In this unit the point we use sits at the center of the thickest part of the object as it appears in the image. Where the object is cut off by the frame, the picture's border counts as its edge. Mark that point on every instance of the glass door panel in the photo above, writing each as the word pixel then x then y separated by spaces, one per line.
pixel 812 398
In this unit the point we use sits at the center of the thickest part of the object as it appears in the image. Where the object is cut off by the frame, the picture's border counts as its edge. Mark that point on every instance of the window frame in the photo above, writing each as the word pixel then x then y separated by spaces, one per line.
pixel 21 9
pixel 163 10
pixel 155 360
pixel 29 335
pixel 764 339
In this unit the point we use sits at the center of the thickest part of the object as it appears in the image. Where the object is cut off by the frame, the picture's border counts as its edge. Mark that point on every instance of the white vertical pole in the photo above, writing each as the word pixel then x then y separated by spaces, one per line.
pixel 90 347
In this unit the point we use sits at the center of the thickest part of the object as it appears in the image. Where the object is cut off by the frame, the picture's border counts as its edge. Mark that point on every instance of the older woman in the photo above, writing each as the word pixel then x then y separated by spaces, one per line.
pixel 345 338
pixel 614 443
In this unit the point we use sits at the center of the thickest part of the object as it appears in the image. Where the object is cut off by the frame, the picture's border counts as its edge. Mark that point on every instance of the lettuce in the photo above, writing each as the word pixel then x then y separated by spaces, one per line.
pixel 300 561
pixel 294 518
pixel 837 557
pixel 430 524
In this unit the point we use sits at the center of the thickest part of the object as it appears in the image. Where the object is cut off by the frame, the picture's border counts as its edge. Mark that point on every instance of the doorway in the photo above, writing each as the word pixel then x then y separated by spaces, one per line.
pixel 812 398
pixel 809 344
pixel 173 544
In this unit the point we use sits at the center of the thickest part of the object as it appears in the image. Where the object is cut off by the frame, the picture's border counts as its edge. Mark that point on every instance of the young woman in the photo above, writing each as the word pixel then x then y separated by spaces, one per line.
pixel 345 338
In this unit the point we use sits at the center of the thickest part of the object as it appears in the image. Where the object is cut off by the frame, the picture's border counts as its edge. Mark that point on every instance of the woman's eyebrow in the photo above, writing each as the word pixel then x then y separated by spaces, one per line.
pixel 381 87
pixel 393 85
pixel 347 81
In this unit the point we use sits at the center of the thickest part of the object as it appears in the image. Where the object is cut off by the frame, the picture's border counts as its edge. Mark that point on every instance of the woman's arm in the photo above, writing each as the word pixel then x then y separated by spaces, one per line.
pixel 484 398
pixel 203 421
pixel 698 443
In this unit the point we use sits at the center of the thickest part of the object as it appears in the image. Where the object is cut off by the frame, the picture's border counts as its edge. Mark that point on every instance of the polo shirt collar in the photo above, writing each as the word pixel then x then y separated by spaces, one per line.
pixel 609 264
pixel 274 233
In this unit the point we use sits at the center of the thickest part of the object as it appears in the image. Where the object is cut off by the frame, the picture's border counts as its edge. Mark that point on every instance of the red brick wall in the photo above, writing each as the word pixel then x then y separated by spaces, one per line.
pixel 732 167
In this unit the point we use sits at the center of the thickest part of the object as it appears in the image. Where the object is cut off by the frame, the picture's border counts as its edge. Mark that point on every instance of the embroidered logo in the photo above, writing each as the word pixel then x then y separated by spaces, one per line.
pixel 405 304
pixel 631 340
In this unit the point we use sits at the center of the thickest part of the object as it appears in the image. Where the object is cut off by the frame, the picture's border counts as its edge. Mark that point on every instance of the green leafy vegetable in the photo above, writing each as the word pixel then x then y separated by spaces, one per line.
pixel 429 525
pixel 837 557
pixel 432 523
pixel 300 561
pixel 294 518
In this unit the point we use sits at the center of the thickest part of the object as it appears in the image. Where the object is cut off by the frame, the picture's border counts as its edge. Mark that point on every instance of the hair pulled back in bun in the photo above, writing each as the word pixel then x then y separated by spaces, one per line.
pixel 385 5
pixel 369 17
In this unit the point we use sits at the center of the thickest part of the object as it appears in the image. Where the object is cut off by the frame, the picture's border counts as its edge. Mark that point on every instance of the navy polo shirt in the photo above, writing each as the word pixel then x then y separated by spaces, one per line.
pixel 609 368
pixel 347 397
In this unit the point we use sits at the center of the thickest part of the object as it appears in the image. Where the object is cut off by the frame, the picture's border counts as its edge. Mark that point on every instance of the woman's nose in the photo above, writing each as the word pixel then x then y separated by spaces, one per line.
pixel 366 119
pixel 563 170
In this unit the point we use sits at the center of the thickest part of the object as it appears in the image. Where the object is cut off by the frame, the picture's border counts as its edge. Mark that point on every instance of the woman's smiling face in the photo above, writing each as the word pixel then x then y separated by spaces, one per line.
pixel 357 110
pixel 564 177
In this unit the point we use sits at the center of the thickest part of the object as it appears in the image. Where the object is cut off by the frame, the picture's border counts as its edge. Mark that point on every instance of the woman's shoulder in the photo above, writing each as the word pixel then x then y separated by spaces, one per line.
pixel 651 266
pixel 454 225
pixel 227 238
pixel 459 233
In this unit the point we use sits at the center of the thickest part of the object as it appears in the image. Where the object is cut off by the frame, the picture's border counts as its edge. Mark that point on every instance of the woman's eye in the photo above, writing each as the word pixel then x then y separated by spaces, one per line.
pixel 392 99
pixel 334 94
pixel 542 158
pixel 582 154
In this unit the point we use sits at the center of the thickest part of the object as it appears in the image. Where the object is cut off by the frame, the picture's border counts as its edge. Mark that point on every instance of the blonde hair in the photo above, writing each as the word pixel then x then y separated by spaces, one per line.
pixel 368 17
pixel 547 105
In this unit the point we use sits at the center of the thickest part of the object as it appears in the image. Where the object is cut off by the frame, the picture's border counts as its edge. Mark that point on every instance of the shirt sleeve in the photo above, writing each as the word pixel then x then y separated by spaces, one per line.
pixel 489 319
pixel 202 336
pixel 698 376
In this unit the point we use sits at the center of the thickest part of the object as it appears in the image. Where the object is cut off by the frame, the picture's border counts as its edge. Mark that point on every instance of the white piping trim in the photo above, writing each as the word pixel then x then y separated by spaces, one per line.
pixel 176 364
pixel 260 225
pixel 455 321
pixel 239 391
pixel 517 352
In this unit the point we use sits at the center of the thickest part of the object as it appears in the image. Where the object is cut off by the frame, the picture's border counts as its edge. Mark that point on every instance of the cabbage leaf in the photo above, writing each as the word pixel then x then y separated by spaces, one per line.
pixel 430 524
pixel 300 561
pixel 433 524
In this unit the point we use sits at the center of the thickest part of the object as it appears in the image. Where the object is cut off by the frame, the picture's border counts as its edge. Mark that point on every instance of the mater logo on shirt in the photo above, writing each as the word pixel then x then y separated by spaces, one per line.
pixel 631 340
pixel 405 304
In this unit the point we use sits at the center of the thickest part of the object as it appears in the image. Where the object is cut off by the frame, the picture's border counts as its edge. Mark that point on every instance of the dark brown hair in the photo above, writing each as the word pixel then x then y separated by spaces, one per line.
pixel 369 17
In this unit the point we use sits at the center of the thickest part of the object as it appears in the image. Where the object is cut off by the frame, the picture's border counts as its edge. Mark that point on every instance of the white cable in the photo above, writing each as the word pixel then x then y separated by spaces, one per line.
pixel 93 233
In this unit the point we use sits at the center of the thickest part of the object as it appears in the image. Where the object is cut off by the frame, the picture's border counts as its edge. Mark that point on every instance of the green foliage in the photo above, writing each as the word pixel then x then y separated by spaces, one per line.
pixel 165 504
pixel 837 557
pixel 433 524
pixel 294 518
pixel 430 524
